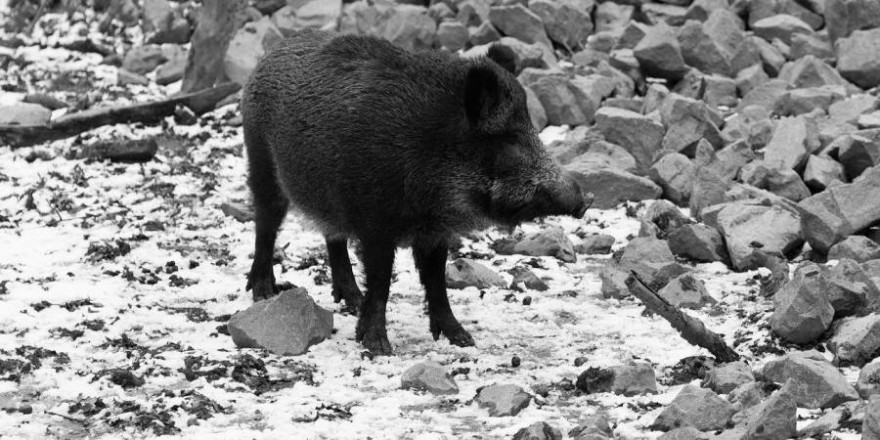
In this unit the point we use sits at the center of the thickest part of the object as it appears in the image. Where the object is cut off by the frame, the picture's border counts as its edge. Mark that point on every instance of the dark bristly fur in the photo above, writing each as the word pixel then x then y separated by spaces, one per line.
pixel 391 148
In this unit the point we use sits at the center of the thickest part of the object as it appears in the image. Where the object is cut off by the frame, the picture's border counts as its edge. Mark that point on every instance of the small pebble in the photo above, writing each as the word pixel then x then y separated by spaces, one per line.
pixel 580 360
pixel 515 361
pixel 527 301
pixel 25 409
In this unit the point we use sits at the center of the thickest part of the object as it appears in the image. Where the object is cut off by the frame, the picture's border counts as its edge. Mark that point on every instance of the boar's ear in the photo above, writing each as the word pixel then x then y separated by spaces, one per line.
pixel 504 56
pixel 487 101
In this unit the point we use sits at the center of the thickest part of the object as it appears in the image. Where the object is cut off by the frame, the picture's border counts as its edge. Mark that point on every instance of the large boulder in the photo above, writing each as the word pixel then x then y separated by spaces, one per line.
pixel 855 341
pixel 774 418
pixel 287 324
pixel 842 17
pixel 697 407
pixel 781 27
pixel 841 210
pixel 802 311
pixel 859 58
pixel 674 172
pixel 855 247
pixel 659 53
pixel 817 383
pixel 686 291
pixel 747 227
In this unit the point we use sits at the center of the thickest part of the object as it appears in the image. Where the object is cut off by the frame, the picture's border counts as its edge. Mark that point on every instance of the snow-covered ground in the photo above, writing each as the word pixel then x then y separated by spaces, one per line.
pixel 79 311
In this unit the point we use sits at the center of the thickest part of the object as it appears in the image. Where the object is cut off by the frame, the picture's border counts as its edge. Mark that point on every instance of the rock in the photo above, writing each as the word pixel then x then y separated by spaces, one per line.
pixel 869 121
pixel 858 60
pixel 747 226
pixel 319 14
pixel 842 17
pixel 716 46
pixel 173 70
pixel 855 341
pixel 536 109
pixel 452 35
pixel 780 26
pixel 409 26
pixel 518 22
pixel 525 279
pixel 630 379
pixel 564 21
pixel 708 189
pixel 868 384
pixel 666 216
pixel 485 33
pixel 851 289
pixel 441 12
pixel 612 17
pixel 429 376
pixel 731 159
pixel 287 324
pixel 698 242
pixel 771 57
pixel 857 153
pixel 473 12
pixel 596 153
pixel 659 53
pixel 802 310
pixel 684 433
pixel 268 7
pixel 162 24
pixel 530 55
pixel 640 135
pixel 613 280
pixel 871 424
pixel 595 245
pixel 246 48
pixel 810 71
pixel 538 431
pixel 24 114
pixel 816 45
pixel 674 172
pixel 787 147
pixel 852 107
pixel 685 291
pixel 503 400
pixel 464 272
pixel 800 101
pixel 841 210
pixel 697 407
pixel 217 23
pixel 726 377
pixel 687 121
pixel 830 421
pixel 550 242
pixel 855 247
pixel 817 383
pixel 784 182
pixel 764 95
pixel 701 9
pixel 593 427
pixel 768 8
pixel 821 171
pixel 775 418
pixel 748 395
pixel 143 59
pixel 563 102
pixel 611 186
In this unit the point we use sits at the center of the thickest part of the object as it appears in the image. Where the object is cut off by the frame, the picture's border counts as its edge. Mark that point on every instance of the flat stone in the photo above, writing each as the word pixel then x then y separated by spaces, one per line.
pixel 464 272
pixel 685 291
pixel 286 324
pixel 503 400
pixel 780 26
pixel 698 242
pixel 816 383
pixel 429 376
pixel 611 186
pixel 639 134
pixel 726 377
pixel 852 107
pixel 855 341
pixel 595 245
pixel 828 422
pixel 801 101
pixel 697 407
pixel 841 210
pixel 802 309
pixel 634 378
pixel 452 35
pixel 143 59
pixel 764 95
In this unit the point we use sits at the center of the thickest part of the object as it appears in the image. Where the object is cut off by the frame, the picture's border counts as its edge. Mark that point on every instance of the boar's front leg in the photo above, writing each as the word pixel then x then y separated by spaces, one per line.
pixel 430 257
pixel 378 259
pixel 344 285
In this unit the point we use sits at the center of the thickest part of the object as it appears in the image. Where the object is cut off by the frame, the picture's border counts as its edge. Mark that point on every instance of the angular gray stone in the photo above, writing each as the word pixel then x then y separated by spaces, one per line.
pixel 802 309
pixel 564 21
pixel 726 377
pixel 842 17
pixel 551 242
pixel 685 433
pixel 536 109
pixel 429 376
pixel 685 291
pixel 851 289
pixel 871 424
pixel 816 383
pixel 143 59
pixel 771 57
pixel 780 26
pixel 747 395
pixel 525 279
pixel 821 171
pixel 612 17
pixel 775 418
pixel 611 186
pixel 659 53
pixel 868 384
pixel 851 108
pixel 764 95
pixel 787 148
pixel 613 279
pixel 598 154
pixel 407 26
pixel 674 172
pixel 503 400
pixel 452 35
pixel 708 189
pixel 841 210
pixel 595 245
pixel 697 407
pixel 634 378
pixel 485 33
pixel 810 71
pixel 464 272
pixel 816 45
pixel 715 46
pixel 639 134
pixel 698 242
pixel 287 324
pixel 593 427
pixel 519 22
pixel 747 227
pixel 828 422
pixel 855 247
pixel 687 121
pixel 749 78
pixel 24 114
pixel 538 431
pixel 563 102
pixel 857 152
pixel 247 47
pixel 855 341
pixel 800 101
pixel 761 9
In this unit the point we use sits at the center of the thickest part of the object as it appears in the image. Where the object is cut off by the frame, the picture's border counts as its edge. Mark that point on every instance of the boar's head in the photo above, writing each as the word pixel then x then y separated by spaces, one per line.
pixel 525 182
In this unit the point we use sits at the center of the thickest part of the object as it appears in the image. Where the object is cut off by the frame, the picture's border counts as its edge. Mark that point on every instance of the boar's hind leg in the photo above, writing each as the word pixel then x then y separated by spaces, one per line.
pixel 378 260
pixel 270 207
pixel 344 285
pixel 431 263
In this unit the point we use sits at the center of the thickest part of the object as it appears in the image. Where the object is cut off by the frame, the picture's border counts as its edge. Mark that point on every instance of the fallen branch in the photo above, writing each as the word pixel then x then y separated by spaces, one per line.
pixel 148 113
pixel 691 329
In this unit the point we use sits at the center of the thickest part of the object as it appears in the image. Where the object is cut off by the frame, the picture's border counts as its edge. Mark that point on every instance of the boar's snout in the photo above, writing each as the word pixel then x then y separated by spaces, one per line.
pixel 568 196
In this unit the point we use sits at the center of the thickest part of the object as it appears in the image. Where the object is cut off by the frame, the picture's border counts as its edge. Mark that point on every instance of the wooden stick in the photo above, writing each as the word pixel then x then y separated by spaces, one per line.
pixel 691 329
pixel 149 113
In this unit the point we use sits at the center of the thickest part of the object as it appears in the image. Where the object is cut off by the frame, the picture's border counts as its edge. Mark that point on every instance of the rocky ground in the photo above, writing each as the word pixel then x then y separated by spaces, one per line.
pixel 732 147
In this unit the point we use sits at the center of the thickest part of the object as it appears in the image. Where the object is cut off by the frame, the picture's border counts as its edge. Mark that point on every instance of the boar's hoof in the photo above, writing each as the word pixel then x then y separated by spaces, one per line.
pixel 452 329
pixel 268 289
pixel 353 299
pixel 373 336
